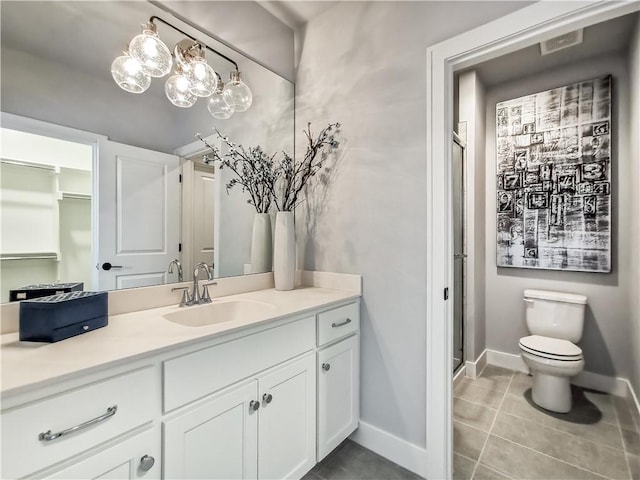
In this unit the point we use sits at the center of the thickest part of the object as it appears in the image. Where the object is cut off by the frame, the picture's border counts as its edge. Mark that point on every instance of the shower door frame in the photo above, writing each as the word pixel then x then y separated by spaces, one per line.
pixel 527 26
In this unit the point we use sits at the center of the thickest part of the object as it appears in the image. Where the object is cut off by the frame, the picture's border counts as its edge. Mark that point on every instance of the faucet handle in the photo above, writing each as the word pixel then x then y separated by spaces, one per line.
pixel 185 301
pixel 205 292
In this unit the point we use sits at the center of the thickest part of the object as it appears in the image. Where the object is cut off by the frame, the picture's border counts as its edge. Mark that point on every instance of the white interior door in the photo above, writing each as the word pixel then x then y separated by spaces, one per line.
pixel 138 215
pixel 204 224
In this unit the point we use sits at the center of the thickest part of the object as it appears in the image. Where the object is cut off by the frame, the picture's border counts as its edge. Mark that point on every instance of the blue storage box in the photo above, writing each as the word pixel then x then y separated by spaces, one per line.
pixel 54 318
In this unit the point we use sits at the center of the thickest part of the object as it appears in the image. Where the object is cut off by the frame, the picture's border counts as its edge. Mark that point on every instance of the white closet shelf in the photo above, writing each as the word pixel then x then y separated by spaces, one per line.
pixel 30 256
pixel 74 195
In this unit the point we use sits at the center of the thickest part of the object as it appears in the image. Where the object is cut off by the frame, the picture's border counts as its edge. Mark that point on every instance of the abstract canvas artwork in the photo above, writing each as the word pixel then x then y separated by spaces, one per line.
pixel 553 153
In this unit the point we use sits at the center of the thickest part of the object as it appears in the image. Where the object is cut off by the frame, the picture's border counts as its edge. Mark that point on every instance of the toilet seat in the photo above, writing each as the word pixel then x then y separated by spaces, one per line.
pixel 551 348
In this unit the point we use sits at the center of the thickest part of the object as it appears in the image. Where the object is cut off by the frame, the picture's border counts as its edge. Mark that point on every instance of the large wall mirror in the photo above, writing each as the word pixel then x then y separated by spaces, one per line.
pixel 93 175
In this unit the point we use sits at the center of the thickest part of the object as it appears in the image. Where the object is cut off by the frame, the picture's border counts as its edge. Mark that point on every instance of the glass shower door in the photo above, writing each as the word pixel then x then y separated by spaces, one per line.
pixel 459 257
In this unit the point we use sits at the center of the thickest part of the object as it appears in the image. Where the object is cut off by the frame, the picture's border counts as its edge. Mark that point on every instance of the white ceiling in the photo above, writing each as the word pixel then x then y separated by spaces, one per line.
pixel 296 13
pixel 599 39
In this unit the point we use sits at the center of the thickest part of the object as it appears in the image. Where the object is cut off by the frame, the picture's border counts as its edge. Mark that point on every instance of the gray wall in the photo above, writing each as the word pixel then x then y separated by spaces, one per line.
pixel 471 107
pixel 634 258
pixel 363 64
pixel 606 340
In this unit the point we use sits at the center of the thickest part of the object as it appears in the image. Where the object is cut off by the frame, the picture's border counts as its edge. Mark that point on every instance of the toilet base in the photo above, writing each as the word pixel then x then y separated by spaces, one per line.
pixel 551 392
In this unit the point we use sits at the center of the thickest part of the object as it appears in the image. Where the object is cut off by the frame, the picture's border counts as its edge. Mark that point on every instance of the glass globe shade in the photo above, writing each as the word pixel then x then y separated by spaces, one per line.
pixel 217 106
pixel 202 77
pixel 177 90
pixel 128 74
pixel 151 52
pixel 237 94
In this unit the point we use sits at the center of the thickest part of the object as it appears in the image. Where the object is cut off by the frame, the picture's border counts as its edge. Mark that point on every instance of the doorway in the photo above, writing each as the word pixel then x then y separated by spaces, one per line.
pixel 459 251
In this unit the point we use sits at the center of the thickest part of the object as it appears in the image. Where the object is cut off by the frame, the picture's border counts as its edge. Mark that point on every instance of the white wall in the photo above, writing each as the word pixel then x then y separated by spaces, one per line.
pixel 634 255
pixel 606 340
pixel 363 64
pixel 471 108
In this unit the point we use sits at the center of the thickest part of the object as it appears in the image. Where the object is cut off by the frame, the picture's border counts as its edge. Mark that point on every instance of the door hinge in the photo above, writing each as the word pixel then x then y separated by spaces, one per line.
pixel 180 178
pixel 179 247
pixel 446 293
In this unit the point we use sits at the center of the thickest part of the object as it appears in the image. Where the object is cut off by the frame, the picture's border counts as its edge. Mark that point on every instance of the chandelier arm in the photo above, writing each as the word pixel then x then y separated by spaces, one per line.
pixel 154 17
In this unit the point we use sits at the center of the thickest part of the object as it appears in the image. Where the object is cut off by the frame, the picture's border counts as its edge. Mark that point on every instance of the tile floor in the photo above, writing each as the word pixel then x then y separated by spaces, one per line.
pixel 350 461
pixel 500 434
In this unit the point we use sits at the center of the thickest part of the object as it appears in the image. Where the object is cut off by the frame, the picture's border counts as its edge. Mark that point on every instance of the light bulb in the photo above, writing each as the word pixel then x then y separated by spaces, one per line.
pixel 177 90
pixel 217 105
pixel 151 52
pixel 237 94
pixel 202 77
pixel 128 74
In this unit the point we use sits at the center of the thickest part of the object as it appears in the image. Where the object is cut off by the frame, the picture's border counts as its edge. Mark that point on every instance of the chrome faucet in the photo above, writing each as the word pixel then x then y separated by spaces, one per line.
pixel 196 298
pixel 176 262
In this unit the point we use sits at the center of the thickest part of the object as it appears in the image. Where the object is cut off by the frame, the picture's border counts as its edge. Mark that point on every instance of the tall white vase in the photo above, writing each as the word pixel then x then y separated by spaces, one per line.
pixel 261 244
pixel 284 252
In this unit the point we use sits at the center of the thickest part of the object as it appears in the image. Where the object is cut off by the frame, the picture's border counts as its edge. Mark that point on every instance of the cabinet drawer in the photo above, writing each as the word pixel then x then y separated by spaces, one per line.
pixel 24 450
pixel 338 323
pixel 200 373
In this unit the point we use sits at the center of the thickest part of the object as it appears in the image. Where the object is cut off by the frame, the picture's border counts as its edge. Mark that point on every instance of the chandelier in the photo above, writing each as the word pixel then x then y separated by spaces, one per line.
pixel 148 57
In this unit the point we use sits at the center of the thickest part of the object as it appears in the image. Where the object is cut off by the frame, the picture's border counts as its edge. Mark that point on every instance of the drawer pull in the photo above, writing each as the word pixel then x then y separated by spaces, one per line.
pixel 335 325
pixel 326 367
pixel 48 436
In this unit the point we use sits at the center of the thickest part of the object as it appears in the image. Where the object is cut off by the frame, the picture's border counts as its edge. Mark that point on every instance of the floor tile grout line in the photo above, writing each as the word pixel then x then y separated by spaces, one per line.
pixel 569 433
pixel 493 469
pixel 476 403
pixel 597 408
pixel 551 456
pixel 624 447
pixel 486 440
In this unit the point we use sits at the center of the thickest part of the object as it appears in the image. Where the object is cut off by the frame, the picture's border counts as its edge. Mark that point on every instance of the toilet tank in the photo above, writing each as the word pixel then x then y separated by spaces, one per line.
pixel 555 314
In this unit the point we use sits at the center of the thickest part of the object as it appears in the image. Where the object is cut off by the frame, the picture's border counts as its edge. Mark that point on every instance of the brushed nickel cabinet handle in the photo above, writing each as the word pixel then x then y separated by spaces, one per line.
pixel 340 324
pixel 48 436
pixel 326 366
pixel 146 462
pixel 254 405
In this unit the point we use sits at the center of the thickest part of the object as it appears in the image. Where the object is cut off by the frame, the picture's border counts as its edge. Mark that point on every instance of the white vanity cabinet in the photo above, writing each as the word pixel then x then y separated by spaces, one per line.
pixel 262 402
pixel 55 428
pixel 263 427
pixel 131 459
pixel 338 372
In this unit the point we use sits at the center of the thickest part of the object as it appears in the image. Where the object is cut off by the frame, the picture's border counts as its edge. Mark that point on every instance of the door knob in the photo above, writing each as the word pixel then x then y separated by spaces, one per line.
pixel 254 405
pixel 146 463
pixel 107 266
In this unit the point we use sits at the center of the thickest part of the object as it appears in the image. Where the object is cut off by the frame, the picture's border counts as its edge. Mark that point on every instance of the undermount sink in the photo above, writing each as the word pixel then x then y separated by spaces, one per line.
pixel 219 312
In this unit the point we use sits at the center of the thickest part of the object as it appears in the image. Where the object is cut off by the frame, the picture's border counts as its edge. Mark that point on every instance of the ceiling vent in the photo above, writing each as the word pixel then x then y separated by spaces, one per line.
pixel 559 43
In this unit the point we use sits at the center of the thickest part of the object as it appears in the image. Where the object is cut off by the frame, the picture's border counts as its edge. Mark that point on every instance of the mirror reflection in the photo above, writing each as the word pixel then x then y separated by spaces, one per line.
pixel 108 188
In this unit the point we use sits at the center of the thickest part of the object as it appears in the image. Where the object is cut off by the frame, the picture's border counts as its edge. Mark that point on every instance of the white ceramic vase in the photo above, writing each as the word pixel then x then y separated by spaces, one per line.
pixel 261 244
pixel 284 252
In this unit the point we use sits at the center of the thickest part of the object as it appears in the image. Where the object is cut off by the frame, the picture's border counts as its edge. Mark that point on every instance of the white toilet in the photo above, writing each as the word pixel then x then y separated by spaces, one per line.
pixel 555 321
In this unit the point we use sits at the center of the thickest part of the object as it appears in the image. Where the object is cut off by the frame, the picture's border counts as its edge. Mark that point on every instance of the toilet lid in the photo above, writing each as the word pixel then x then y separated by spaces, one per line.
pixel 548 347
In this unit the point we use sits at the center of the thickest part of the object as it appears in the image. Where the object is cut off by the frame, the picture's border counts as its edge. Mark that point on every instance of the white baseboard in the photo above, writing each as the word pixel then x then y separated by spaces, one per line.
pixel 460 374
pixel 473 369
pixel 612 385
pixel 633 396
pixel 506 360
pixel 405 454
pixel 603 383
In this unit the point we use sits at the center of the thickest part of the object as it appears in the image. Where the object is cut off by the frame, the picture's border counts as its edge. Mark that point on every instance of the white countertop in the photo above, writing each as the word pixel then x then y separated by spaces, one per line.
pixel 128 336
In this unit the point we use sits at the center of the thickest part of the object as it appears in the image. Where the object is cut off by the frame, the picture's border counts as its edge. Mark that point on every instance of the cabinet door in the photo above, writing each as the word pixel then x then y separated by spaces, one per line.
pixel 287 434
pixel 338 393
pixel 216 440
pixel 135 458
